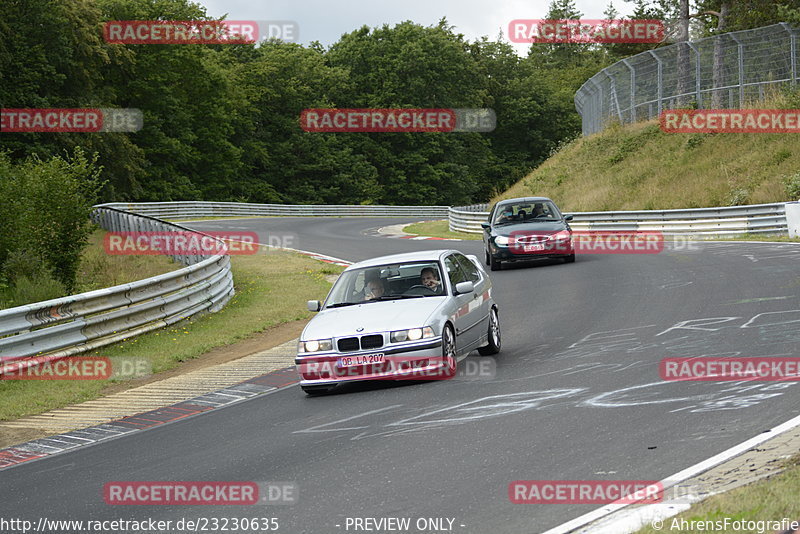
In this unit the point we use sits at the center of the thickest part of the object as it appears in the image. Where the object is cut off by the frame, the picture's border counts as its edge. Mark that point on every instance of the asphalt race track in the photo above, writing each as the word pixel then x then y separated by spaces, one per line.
pixel 577 396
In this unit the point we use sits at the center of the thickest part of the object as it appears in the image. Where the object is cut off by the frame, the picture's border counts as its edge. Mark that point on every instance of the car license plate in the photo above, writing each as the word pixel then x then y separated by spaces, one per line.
pixel 533 248
pixel 361 359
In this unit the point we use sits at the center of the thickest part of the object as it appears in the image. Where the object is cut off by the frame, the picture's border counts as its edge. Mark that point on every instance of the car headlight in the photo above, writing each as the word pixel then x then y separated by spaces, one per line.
pixel 315 345
pixel 501 240
pixel 412 334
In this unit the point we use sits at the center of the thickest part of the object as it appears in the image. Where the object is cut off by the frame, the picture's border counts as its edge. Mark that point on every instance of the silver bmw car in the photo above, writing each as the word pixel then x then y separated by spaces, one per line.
pixel 407 316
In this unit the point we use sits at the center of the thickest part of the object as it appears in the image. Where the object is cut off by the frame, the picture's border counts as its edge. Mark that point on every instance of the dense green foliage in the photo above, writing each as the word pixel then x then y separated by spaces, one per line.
pixel 221 121
pixel 45 213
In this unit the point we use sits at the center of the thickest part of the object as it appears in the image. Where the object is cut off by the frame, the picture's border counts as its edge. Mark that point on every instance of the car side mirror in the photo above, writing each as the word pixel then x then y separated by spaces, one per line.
pixel 568 217
pixel 314 305
pixel 464 287
pixel 486 225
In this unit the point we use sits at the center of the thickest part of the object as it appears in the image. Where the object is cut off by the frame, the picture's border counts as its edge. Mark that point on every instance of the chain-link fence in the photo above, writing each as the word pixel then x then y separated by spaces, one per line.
pixel 724 71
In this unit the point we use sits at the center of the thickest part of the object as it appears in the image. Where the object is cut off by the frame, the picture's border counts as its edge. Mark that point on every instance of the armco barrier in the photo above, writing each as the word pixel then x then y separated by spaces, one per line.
pixel 195 209
pixel 62 327
pixel 702 222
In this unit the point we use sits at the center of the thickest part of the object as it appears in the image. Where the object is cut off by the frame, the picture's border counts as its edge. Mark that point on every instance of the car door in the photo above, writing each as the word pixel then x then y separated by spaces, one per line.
pixel 464 316
pixel 480 296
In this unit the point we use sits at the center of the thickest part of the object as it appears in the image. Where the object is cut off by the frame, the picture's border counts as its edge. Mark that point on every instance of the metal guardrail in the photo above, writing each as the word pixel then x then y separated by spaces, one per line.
pixel 724 71
pixel 70 325
pixel 195 209
pixel 702 222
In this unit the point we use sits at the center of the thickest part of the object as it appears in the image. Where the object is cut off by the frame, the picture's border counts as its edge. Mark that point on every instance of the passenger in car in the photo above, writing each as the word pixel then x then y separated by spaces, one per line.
pixel 506 216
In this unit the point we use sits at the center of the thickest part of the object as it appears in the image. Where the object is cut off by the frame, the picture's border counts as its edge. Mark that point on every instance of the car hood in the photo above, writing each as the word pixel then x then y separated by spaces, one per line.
pixel 372 317
pixel 530 227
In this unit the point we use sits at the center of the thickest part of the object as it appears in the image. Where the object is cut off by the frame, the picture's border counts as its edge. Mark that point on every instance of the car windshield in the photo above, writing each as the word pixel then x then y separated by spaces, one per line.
pixel 386 282
pixel 538 211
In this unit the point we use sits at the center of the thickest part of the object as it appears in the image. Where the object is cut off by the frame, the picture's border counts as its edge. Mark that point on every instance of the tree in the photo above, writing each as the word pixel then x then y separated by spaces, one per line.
pixel 683 53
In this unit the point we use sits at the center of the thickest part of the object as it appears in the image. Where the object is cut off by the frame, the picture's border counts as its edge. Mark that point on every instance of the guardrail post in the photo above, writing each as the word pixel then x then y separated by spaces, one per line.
pixel 793 218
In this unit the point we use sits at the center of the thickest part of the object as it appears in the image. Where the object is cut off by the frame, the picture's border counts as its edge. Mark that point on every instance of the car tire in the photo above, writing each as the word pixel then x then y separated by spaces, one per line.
pixel 449 354
pixel 494 264
pixel 315 391
pixel 488 261
pixel 569 259
pixel 494 336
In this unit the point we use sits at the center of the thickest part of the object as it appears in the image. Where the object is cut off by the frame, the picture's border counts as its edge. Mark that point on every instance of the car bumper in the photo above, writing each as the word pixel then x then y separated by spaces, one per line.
pixel 417 361
pixel 517 253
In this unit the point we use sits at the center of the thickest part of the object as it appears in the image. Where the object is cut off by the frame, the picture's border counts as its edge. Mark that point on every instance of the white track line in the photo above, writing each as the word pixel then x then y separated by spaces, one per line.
pixel 655 511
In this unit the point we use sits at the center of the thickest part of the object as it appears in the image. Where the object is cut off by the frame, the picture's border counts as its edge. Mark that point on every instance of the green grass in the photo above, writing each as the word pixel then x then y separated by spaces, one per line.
pixel 270 288
pixel 95 271
pixel 438 229
pixel 636 167
pixel 770 499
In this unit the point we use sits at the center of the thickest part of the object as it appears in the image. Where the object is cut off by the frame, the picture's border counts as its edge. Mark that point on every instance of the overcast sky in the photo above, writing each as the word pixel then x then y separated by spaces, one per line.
pixel 327 20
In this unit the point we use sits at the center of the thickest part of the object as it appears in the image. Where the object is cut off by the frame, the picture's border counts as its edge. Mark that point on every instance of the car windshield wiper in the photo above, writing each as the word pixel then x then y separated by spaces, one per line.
pixel 341 304
pixel 394 297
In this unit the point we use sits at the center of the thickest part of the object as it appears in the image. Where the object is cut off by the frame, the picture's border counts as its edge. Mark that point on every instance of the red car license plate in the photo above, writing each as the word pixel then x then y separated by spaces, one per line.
pixel 361 359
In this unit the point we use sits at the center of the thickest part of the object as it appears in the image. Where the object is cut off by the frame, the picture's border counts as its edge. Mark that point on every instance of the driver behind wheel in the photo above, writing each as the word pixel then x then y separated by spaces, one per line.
pixel 374 289
pixel 429 277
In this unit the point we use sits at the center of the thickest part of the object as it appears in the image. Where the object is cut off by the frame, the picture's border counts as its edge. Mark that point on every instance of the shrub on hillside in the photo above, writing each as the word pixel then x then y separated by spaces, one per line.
pixel 792 184
pixel 45 213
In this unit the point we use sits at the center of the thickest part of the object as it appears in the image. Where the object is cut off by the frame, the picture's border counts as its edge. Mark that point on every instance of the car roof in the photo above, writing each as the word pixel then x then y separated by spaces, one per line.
pixel 422 255
pixel 521 199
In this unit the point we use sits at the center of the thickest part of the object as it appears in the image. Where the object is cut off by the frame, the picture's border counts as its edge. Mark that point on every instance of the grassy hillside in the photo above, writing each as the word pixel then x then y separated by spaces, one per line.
pixel 640 167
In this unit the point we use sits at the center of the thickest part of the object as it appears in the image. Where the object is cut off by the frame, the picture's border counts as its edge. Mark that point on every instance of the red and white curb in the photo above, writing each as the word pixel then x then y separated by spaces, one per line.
pixel 49 446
